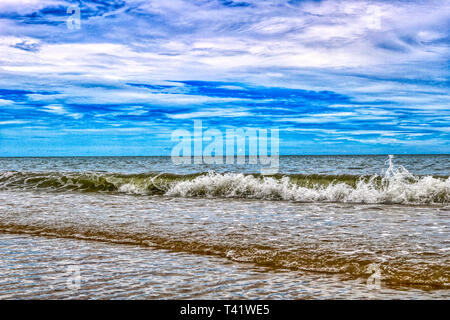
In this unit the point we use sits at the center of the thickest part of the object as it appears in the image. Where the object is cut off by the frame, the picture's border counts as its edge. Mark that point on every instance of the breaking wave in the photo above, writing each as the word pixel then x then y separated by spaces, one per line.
pixel 396 185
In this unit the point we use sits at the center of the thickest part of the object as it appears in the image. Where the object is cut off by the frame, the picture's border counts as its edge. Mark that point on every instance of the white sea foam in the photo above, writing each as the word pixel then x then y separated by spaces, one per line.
pixel 397 186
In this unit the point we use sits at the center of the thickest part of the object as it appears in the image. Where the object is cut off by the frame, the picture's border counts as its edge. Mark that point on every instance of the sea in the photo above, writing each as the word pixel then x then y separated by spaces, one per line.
pixel 323 227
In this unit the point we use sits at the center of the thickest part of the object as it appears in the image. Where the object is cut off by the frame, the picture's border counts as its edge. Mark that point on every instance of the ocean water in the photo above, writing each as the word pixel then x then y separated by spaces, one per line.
pixel 324 227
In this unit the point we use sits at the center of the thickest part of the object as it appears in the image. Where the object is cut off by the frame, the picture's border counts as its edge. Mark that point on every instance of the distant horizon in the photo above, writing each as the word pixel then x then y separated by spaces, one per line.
pixel 281 155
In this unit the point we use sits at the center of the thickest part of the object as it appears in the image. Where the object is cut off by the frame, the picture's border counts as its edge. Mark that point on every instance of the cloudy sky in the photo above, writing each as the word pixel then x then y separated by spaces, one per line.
pixel 336 77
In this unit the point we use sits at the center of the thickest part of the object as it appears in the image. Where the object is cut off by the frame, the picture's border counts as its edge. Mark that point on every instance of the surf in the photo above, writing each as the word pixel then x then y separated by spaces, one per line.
pixel 396 185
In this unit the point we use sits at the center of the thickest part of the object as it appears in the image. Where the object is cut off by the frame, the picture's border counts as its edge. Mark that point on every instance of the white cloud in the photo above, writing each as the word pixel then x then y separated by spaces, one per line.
pixel 60 110
pixel 4 102
pixel 338 35
pixel 28 6
pixel 13 122
pixel 211 113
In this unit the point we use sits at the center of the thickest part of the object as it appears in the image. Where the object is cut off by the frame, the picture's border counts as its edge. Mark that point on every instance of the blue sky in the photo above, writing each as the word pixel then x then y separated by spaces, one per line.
pixel 336 77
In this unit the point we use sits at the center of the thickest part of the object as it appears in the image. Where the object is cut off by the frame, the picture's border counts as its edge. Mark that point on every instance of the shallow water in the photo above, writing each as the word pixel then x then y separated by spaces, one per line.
pixel 210 244
pixel 40 268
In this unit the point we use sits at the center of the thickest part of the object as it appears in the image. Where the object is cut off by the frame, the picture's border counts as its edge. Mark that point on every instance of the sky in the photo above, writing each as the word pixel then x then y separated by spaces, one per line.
pixel 335 77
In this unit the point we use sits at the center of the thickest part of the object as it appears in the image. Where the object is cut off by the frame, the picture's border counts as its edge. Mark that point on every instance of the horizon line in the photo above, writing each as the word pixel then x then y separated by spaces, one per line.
pixel 281 155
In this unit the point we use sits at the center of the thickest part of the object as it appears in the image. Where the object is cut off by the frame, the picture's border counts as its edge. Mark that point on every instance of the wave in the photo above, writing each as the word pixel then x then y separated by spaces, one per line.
pixel 306 258
pixel 396 185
